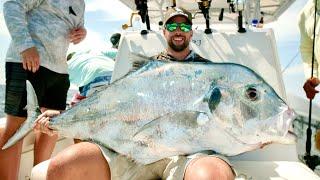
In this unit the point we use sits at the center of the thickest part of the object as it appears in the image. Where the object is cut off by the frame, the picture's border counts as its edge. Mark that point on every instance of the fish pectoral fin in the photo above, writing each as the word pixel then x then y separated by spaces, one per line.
pixel 170 122
pixel 168 135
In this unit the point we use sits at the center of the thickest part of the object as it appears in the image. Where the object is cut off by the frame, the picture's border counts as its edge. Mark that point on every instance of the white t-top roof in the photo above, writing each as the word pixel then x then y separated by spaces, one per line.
pixel 252 9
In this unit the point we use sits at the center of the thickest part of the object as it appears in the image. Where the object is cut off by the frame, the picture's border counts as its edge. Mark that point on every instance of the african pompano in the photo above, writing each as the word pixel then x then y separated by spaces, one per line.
pixel 165 109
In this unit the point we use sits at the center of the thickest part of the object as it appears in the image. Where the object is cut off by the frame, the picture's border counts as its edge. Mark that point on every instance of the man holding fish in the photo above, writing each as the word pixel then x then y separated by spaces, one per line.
pixel 88 160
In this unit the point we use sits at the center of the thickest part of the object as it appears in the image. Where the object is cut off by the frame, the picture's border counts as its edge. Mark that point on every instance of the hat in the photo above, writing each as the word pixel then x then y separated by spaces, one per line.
pixel 114 39
pixel 176 11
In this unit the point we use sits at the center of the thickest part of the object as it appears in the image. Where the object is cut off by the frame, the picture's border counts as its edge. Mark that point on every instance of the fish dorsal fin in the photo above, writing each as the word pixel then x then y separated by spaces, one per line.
pixel 139 64
pixel 142 63
pixel 138 60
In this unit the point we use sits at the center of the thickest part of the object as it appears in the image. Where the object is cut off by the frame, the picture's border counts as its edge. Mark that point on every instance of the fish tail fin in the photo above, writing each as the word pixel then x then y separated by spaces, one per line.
pixel 33 111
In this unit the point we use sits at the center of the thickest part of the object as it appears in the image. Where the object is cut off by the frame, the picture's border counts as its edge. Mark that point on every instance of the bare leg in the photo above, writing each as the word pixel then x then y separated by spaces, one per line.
pixel 1 130
pixel 208 168
pixel 79 161
pixel 43 147
pixel 10 158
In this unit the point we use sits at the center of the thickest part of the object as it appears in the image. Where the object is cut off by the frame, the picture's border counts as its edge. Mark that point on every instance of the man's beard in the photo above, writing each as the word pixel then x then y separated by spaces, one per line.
pixel 178 48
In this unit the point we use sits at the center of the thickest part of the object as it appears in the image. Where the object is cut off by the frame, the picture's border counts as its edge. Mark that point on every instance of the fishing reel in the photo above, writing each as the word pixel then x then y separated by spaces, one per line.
pixel 126 26
pixel 142 11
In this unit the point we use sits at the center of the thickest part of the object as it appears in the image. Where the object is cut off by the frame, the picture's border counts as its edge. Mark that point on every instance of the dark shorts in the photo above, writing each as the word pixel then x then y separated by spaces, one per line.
pixel 51 89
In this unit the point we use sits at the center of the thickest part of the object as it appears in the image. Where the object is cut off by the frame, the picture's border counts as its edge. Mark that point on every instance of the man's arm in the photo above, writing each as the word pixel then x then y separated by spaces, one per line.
pixel 14 12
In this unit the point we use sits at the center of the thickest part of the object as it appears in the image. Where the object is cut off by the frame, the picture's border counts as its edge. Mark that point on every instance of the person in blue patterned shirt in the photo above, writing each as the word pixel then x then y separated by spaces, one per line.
pixel 41 31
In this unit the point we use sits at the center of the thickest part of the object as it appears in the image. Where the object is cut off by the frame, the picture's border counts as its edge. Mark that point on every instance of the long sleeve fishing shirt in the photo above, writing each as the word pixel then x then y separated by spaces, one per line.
pixel 44 24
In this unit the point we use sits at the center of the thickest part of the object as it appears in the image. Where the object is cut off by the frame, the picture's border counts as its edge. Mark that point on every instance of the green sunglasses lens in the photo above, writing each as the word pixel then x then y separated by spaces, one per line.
pixel 185 27
pixel 172 27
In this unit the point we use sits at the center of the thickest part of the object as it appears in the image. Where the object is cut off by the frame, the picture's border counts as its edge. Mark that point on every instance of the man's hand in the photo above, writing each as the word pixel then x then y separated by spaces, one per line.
pixel 30 59
pixel 310 87
pixel 77 35
pixel 42 122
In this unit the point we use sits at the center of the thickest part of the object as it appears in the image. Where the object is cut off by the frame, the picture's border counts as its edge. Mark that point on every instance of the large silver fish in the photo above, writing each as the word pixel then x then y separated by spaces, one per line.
pixel 165 109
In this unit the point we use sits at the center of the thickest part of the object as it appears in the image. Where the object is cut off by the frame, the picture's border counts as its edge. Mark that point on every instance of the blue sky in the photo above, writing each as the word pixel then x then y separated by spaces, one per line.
pixel 105 17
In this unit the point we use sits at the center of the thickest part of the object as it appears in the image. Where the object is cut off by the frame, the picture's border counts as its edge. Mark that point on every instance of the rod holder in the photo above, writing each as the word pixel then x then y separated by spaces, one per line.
pixel 241 29
pixel 204 6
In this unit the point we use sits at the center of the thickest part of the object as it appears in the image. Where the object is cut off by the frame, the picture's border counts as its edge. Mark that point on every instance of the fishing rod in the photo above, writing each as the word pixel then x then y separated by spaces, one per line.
pixel 311 161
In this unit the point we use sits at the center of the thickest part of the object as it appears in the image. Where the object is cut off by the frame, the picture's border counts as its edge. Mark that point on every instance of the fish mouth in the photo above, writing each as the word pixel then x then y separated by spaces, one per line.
pixel 279 125
pixel 281 131
pixel 276 129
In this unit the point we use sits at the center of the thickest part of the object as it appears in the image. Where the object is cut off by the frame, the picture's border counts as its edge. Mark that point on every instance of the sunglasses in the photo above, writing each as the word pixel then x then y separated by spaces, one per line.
pixel 173 26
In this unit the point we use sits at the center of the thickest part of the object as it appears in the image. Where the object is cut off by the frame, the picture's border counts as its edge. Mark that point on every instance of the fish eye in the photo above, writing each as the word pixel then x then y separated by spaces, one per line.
pixel 252 93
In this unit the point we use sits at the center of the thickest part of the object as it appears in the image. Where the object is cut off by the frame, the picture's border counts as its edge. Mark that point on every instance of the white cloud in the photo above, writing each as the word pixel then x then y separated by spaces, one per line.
pixel 114 10
pixel 94 42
